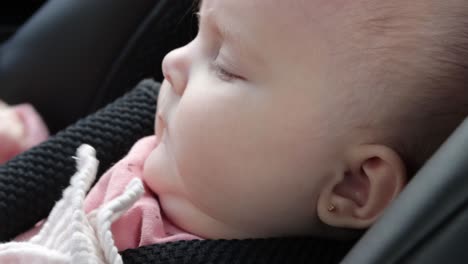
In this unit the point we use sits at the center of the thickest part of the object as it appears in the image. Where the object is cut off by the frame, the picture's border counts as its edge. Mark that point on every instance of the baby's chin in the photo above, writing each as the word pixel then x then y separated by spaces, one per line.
pixel 185 215
pixel 159 167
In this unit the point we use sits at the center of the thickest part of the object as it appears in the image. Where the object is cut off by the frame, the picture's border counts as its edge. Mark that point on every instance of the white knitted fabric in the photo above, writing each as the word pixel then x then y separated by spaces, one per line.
pixel 69 235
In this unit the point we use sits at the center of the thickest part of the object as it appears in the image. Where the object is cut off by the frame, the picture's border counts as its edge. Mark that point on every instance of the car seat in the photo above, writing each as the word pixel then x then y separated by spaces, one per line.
pixel 73 57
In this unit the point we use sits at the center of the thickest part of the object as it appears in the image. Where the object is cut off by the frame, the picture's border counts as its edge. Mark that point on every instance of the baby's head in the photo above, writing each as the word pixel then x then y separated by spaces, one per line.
pixel 304 117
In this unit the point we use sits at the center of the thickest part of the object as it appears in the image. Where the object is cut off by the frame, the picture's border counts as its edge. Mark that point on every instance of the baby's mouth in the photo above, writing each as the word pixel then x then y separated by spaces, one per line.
pixel 160 127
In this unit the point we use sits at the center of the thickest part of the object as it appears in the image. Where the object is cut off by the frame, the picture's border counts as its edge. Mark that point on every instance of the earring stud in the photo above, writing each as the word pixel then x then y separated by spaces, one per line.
pixel 331 208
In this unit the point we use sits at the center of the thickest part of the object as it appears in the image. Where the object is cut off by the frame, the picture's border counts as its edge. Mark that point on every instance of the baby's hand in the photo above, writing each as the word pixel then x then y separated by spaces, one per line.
pixel 11 127
pixel 21 128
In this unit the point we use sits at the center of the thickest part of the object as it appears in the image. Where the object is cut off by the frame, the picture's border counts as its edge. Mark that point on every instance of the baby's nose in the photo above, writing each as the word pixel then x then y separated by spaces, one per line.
pixel 175 68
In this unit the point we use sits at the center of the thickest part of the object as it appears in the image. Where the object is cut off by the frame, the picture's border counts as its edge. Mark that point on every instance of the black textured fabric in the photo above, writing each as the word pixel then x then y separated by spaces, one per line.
pixel 263 251
pixel 32 182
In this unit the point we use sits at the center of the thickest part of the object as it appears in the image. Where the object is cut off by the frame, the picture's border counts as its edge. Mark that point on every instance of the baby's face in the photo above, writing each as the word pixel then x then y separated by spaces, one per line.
pixel 251 119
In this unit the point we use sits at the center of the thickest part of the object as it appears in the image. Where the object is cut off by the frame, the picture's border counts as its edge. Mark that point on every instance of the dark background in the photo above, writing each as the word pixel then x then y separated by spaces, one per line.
pixel 14 13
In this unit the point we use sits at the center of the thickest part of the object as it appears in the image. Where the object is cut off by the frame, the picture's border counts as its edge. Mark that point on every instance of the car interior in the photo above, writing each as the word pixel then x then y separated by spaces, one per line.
pixel 72 58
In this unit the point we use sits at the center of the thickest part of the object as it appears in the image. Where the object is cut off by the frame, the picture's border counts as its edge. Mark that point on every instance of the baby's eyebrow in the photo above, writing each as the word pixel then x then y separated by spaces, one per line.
pixel 230 37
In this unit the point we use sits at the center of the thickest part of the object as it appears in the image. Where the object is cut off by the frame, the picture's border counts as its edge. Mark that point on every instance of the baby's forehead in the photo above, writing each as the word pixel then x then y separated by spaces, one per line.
pixel 296 12
pixel 311 8
pixel 292 22
pixel 279 6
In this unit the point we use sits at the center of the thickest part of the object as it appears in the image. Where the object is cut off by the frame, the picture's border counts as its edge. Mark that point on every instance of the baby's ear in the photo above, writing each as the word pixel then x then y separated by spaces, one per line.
pixel 355 198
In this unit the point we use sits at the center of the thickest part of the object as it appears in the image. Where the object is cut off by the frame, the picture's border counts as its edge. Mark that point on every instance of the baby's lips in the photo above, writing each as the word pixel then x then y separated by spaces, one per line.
pixel 160 126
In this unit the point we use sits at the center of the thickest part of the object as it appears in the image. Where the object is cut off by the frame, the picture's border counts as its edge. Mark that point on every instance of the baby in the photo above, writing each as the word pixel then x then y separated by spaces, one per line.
pixel 293 118
pixel 304 117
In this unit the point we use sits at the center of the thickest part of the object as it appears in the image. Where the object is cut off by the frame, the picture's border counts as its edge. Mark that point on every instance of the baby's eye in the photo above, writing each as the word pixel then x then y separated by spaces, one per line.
pixel 224 74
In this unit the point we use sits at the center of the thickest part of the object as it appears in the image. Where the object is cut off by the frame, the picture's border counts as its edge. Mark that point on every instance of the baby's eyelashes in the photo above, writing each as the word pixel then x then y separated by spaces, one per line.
pixel 224 74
